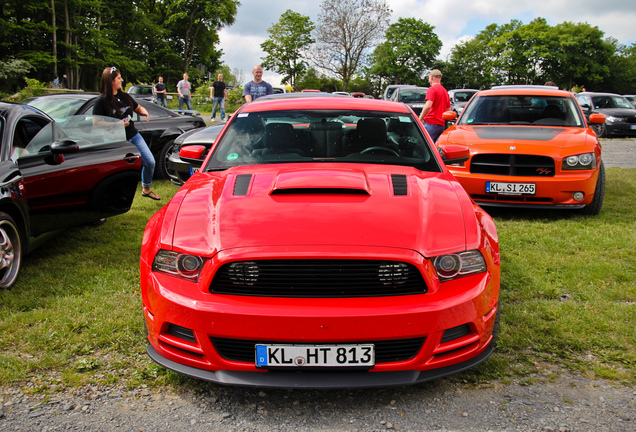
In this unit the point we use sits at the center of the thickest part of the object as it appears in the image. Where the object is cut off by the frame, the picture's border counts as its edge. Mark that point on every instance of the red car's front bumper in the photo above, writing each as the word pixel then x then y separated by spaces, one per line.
pixel 211 336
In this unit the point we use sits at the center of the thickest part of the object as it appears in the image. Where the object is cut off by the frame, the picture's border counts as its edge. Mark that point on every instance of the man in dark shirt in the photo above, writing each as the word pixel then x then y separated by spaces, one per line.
pixel 160 93
pixel 218 94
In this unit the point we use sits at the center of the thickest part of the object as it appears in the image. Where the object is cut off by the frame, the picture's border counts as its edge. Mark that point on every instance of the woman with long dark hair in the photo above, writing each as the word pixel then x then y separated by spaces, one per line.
pixel 114 102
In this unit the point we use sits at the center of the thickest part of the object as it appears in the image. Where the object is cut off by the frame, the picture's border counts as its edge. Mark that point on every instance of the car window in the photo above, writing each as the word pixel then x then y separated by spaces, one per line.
pixel 522 110
pixel 155 112
pixel 410 96
pixel 463 96
pixel 85 130
pixel 57 108
pixel 323 136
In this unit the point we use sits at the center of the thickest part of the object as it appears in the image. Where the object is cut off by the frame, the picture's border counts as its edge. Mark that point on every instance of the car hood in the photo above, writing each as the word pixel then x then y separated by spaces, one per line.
pixel 279 205
pixel 202 136
pixel 533 139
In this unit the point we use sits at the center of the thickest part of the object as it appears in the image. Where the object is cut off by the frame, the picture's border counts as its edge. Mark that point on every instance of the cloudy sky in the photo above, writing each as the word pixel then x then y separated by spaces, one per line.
pixel 454 20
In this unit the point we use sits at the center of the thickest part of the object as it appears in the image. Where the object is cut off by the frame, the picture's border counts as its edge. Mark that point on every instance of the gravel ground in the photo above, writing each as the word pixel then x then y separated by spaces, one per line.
pixel 552 400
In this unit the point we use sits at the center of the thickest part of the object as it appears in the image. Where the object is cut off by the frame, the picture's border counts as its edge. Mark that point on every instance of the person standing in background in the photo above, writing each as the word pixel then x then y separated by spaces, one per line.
pixel 64 83
pixel 218 94
pixel 183 87
pixel 56 82
pixel 257 87
pixel 437 101
pixel 160 93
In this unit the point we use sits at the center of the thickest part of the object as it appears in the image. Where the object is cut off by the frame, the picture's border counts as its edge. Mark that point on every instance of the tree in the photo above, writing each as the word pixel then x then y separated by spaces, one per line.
pixel 578 55
pixel 409 51
pixel 287 44
pixel 346 30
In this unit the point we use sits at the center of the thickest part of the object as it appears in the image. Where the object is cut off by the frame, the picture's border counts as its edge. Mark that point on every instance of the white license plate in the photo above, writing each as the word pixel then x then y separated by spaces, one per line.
pixel 511 188
pixel 272 356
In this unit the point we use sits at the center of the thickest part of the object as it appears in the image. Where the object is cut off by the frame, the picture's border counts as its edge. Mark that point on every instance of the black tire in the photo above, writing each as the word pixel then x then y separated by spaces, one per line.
pixel 161 166
pixel 594 208
pixel 599 129
pixel 10 251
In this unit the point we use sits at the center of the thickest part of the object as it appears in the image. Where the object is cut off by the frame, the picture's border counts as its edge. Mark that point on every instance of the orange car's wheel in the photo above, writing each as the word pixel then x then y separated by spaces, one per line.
pixel 594 208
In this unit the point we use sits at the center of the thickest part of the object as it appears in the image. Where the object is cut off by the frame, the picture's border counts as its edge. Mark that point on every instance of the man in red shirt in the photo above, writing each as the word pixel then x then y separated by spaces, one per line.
pixel 437 101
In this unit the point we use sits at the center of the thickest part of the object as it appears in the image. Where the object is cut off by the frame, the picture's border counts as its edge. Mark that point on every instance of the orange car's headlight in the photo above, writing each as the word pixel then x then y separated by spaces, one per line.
pixel 583 161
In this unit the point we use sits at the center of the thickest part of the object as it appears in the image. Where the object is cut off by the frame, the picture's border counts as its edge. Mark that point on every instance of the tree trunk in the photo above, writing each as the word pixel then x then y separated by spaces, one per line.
pixel 54 38
pixel 67 39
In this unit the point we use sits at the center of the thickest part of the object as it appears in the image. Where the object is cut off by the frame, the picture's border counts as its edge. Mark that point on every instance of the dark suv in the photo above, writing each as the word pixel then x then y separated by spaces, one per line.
pixel 620 114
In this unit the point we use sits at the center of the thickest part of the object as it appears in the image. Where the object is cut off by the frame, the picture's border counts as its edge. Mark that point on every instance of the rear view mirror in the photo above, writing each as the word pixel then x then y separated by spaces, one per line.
pixel 597 118
pixel 193 155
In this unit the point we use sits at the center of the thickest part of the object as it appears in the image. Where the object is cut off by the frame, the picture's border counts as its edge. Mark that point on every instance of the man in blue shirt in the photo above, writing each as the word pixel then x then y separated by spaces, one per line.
pixel 257 87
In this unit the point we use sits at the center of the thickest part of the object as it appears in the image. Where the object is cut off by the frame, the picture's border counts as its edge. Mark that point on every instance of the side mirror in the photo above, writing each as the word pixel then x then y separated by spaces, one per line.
pixel 193 155
pixel 454 154
pixel 597 118
pixel 64 146
pixel 449 115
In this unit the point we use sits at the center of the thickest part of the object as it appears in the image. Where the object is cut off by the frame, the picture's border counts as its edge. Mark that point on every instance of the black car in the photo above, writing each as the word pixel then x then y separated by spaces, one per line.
pixel 58 176
pixel 620 114
pixel 180 166
pixel 459 98
pixel 164 125
pixel 415 97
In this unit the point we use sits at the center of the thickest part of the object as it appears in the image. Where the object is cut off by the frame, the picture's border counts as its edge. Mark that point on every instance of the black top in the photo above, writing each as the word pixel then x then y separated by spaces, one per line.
pixel 126 109
pixel 160 87
pixel 219 87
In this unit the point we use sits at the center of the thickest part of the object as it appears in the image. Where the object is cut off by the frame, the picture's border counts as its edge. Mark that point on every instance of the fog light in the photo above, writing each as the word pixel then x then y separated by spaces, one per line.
pixel 578 196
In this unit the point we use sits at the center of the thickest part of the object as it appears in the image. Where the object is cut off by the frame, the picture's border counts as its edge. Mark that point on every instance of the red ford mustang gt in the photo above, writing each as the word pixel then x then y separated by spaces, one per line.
pixel 322 244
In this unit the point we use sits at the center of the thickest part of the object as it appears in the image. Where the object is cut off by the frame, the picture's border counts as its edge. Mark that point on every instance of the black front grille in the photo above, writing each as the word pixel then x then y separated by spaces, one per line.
pixel 317 278
pixel 385 351
pixel 512 165
pixel 182 333
pixel 456 333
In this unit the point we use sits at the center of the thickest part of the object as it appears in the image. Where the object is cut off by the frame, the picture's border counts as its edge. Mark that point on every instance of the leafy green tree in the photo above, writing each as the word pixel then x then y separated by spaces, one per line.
pixel 578 54
pixel 286 47
pixel 622 70
pixel 12 74
pixel 346 31
pixel 409 51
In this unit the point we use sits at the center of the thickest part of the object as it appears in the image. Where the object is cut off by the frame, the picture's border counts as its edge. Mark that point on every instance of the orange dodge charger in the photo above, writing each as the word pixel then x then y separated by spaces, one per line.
pixel 530 146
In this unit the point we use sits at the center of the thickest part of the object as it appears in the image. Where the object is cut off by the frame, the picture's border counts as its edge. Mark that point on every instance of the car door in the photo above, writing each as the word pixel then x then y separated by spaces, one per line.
pixel 75 174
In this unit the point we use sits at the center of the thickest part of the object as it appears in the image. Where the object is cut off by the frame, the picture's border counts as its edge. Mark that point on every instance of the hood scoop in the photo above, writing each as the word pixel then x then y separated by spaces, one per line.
pixel 333 181
pixel 242 184
pixel 400 185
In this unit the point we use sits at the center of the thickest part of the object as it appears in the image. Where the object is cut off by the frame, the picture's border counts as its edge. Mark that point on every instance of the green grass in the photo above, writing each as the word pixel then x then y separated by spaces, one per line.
pixel 568 291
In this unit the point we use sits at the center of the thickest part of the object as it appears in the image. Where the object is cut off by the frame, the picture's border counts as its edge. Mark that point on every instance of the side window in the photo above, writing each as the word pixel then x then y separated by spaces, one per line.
pixel 31 136
pixel 155 112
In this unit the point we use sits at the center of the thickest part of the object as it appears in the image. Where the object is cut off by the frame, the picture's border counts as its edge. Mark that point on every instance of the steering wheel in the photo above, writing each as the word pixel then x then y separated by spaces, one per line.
pixel 380 148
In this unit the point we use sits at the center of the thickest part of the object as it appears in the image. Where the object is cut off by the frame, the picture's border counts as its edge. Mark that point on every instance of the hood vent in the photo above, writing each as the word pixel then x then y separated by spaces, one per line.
pixel 242 184
pixel 400 186
pixel 320 191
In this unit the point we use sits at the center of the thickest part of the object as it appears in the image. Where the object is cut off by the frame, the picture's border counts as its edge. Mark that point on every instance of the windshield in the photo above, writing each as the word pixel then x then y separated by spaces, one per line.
pixel 323 136
pixel 522 110
pixel 57 108
pixel 611 102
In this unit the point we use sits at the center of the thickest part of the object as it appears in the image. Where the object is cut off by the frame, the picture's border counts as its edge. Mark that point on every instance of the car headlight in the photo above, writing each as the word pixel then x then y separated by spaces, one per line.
pixel 453 266
pixel 579 162
pixel 613 119
pixel 178 264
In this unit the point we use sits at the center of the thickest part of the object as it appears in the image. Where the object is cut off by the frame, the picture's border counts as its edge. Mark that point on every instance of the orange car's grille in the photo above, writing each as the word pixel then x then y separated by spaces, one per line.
pixel 316 278
pixel 512 165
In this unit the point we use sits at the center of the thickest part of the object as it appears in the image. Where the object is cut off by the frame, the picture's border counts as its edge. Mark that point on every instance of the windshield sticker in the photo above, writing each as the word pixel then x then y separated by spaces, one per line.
pixel 405 119
pixel 470 121
pixel 232 156
pixel 241 115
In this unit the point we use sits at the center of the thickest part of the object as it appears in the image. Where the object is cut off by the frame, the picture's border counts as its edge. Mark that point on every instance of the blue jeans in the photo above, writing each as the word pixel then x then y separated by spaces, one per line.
pixel 147 160
pixel 215 102
pixel 162 102
pixel 434 130
pixel 187 101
